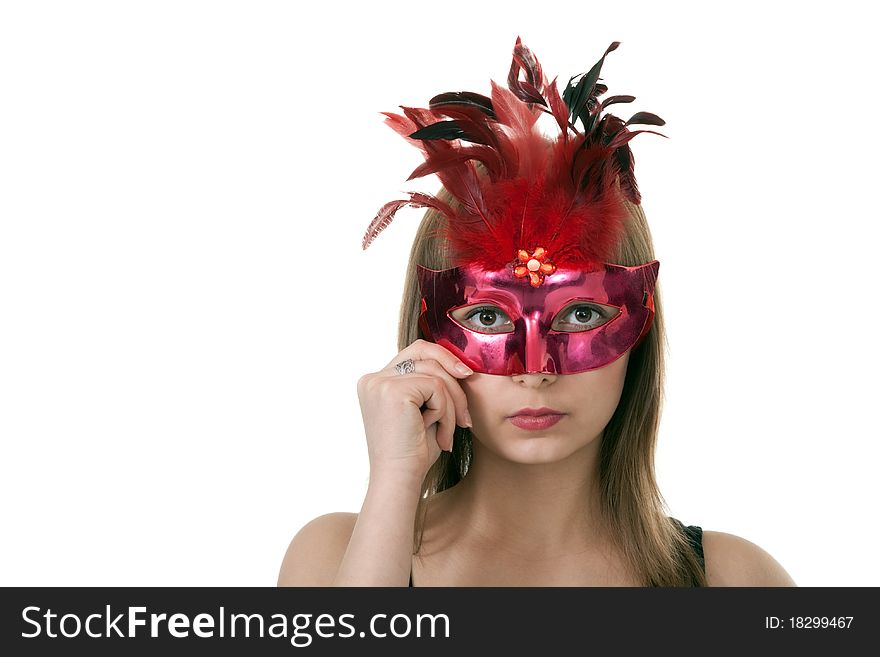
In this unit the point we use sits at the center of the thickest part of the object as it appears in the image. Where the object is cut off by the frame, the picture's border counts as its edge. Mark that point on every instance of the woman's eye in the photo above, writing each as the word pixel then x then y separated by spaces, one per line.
pixel 483 319
pixel 583 317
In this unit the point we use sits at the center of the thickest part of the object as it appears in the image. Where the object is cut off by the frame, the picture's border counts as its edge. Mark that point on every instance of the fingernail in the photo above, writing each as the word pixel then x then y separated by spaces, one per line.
pixel 467 419
pixel 461 368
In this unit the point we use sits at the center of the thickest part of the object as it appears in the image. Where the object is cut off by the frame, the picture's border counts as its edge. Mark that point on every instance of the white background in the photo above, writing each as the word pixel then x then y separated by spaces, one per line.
pixel 185 307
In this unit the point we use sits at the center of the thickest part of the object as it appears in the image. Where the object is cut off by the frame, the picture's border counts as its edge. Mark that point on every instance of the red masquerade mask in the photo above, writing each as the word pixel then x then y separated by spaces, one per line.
pixel 531 233
pixel 574 322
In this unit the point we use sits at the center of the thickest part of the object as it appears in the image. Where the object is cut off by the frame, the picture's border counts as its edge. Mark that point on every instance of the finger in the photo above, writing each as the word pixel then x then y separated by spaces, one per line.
pixel 423 350
pixel 439 415
pixel 439 409
pixel 459 398
pixel 456 392
pixel 446 422
pixel 429 397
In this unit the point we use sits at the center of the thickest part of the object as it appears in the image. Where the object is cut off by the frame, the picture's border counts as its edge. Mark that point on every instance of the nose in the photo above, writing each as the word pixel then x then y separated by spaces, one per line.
pixel 534 380
pixel 536 351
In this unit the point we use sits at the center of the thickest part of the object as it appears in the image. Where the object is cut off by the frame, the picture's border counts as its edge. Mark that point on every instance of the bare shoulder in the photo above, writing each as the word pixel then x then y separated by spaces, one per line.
pixel 314 554
pixel 734 561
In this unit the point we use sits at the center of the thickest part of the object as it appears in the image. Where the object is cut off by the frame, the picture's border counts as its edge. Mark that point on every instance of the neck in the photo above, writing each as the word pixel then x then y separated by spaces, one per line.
pixel 532 509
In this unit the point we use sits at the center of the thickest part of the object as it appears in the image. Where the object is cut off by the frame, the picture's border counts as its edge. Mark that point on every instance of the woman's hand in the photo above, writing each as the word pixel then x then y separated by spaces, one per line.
pixel 409 418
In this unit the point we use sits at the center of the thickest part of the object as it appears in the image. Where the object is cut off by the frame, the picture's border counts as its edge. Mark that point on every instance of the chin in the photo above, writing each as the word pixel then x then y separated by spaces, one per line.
pixel 537 448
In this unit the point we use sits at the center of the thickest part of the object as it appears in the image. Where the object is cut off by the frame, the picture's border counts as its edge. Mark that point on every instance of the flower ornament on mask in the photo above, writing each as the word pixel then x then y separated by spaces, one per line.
pixel 533 266
pixel 531 232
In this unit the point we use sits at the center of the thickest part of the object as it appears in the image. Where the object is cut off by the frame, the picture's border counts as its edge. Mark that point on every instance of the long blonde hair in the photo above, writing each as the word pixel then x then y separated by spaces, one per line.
pixel 652 543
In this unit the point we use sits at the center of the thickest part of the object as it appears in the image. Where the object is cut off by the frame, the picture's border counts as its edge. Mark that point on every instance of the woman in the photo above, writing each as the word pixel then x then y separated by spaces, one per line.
pixel 511 440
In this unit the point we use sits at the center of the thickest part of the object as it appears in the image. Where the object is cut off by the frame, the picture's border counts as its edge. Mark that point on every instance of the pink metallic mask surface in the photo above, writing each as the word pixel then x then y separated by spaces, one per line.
pixel 574 321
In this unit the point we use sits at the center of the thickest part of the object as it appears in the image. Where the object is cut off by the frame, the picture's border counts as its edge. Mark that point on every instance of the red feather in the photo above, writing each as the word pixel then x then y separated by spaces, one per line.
pixel 558 107
pixel 564 194
pixel 518 116
pixel 487 156
pixel 524 60
pixel 386 213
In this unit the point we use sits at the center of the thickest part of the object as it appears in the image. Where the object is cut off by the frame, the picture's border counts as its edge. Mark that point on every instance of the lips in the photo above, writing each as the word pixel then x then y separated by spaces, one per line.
pixel 535 419
pixel 534 412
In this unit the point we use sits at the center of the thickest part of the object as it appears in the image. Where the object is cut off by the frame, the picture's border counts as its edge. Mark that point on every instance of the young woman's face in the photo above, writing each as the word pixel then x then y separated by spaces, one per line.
pixel 584 402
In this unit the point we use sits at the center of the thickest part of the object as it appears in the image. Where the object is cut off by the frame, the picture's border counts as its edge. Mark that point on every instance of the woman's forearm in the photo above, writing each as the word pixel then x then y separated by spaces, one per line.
pixel 380 550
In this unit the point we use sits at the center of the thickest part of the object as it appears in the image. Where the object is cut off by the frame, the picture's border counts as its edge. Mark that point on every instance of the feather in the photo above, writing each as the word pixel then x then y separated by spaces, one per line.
pixel 386 213
pixel 487 156
pixel 464 99
pixel 450 130
pixel 558 108
pixel 625 135
pixel 645 118
pixel 517 116
pixel 564 194
pixel 611 100
pixel 581 97
pixel 525 61
pixel 478 130
pixel 472 122
pixel 626 166
pixel 461 181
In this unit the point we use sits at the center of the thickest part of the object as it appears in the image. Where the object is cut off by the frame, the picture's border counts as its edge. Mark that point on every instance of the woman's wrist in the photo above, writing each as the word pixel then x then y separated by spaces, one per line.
pixel 395 480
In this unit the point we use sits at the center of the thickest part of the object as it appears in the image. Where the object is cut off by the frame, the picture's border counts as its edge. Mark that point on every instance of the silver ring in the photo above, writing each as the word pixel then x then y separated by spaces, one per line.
pixel 405 366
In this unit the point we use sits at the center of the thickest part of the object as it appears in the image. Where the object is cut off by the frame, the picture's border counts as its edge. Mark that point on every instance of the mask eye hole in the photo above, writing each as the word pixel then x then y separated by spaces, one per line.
pixel 482 318
pixel 583 316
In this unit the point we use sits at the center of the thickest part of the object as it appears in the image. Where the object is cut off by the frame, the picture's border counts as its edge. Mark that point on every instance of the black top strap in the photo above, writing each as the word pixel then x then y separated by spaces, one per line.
pixel 694 535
